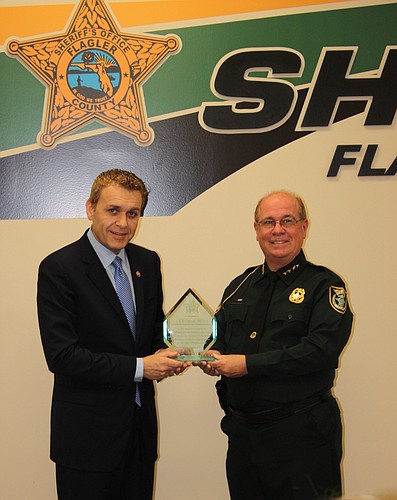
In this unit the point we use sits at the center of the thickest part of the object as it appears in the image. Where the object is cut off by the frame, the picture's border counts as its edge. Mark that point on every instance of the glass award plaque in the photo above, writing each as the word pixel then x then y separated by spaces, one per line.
pixel 190 328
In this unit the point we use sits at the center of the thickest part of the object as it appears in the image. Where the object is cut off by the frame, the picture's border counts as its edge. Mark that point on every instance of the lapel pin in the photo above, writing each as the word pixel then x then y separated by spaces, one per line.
pixel 138 274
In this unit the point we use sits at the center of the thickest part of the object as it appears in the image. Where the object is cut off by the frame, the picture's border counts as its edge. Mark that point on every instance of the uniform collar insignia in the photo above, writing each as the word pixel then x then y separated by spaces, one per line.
pixel 291 269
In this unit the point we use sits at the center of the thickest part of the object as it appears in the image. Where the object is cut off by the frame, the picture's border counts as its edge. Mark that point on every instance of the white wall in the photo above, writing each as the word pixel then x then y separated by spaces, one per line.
pixel 204 246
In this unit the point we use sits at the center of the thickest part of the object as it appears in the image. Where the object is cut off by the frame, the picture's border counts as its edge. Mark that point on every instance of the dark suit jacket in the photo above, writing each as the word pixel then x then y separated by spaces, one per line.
pixel 90 349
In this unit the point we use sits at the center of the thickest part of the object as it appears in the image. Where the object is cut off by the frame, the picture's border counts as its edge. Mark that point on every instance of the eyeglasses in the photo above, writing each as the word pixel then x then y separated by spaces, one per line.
pixel 285 222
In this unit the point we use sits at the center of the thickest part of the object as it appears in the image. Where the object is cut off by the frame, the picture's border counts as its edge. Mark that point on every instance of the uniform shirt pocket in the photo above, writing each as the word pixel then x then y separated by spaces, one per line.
pixel 235 311
pixel 290 314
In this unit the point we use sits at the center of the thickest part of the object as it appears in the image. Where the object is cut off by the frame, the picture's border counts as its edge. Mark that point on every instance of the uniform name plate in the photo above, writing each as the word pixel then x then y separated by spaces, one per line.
pixel 190 328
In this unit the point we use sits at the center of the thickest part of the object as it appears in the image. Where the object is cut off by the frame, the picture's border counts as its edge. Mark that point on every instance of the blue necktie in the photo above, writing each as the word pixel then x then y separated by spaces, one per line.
pixel 124 293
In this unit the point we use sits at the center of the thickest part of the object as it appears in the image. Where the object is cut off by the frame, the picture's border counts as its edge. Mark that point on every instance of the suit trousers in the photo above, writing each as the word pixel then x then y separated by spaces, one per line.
pixel 133 480
pixel 295 458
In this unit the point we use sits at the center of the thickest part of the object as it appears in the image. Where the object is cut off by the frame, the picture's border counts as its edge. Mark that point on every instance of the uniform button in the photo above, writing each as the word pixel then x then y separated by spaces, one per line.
pixel 289 316
pixel 253 335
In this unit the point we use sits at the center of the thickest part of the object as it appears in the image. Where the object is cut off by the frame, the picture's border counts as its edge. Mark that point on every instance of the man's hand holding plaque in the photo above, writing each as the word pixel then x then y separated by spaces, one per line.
pixel 190 328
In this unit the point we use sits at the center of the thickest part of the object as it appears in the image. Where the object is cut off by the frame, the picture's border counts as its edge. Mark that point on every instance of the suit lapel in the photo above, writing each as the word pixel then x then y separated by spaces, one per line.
pixel 98 275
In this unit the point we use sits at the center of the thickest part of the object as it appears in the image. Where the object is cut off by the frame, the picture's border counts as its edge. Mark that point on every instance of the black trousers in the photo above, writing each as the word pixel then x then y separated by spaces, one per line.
pixel 295 458
pixel 132 481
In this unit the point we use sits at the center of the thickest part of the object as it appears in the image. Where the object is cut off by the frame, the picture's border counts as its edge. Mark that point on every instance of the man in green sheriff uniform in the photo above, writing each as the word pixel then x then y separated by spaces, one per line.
pixel 281 329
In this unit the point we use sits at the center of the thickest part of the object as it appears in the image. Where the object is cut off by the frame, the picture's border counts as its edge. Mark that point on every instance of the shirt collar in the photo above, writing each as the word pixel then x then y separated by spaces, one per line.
pixel 105 255
pixel 289 272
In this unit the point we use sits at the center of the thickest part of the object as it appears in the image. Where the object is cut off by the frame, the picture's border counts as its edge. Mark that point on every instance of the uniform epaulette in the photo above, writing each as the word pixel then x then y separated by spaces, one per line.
pixel 326 270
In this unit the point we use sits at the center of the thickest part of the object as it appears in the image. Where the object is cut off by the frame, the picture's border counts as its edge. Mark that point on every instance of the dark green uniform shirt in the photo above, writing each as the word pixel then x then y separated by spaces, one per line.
pixel 292 351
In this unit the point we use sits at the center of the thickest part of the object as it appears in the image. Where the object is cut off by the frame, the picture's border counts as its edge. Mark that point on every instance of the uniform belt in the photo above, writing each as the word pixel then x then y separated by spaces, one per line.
pixel 280 411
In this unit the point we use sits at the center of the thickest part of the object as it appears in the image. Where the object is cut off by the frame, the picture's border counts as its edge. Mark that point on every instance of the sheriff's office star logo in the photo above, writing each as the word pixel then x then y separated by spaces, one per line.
pixel 93 71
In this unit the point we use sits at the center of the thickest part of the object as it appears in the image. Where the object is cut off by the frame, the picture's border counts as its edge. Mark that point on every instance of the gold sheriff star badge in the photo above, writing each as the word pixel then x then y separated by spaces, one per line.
pixel 93 71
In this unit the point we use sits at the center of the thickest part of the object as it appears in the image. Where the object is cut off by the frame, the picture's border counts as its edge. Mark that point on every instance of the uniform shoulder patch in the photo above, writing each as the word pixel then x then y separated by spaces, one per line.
pixel 338 299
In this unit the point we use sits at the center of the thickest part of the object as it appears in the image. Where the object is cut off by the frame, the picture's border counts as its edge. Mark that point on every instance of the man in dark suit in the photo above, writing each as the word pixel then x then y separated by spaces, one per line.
pixel 103 417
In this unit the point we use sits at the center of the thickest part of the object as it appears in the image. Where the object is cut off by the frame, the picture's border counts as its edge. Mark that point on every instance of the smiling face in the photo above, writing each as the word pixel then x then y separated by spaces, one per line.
pixel 115 216
pixel 279 244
